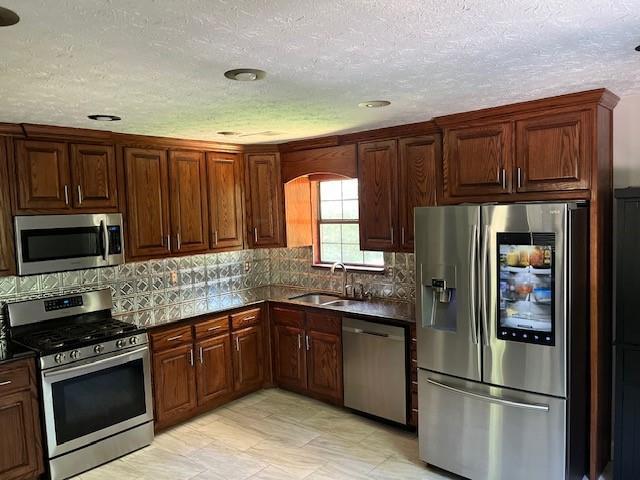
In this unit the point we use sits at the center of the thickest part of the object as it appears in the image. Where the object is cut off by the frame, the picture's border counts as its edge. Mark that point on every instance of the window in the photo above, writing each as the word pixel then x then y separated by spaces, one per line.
pixel 338 231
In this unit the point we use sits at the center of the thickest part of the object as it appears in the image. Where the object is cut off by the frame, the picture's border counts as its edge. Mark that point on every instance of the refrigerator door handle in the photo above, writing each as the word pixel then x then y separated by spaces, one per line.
pixel 490 398
pixel 473 254
pixel 483 285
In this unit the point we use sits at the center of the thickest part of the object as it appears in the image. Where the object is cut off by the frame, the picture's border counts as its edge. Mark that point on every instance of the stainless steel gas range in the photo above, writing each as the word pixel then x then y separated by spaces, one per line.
pixel 95 377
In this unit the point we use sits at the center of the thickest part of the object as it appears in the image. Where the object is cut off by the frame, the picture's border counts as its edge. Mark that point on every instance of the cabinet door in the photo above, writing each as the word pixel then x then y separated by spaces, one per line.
pixel 189 217
pixel 419 160
pixel 214 369
pixel 553 152
pixel 7 255
pixel 19 443
pixel 478 160
pixel 174 383
pixel 93 172
pixel 224 174
pixel 378 195
pixel 290 367
pixel 247 359
pixel 324 365
pixel 147 202
pixel 265 202
pixel 43 176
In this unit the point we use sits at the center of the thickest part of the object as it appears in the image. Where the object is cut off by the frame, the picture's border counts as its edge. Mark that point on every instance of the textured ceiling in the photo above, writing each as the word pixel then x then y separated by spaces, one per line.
pixel 159 63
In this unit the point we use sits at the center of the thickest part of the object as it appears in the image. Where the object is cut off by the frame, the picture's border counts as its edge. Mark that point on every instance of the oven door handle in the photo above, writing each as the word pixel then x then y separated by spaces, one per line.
pixel 91 365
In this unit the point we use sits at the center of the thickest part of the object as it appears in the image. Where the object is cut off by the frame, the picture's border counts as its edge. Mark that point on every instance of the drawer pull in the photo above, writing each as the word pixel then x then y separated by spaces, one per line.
pixel 214 328
pixel 248 319
pixel 173 339
pixel 5 383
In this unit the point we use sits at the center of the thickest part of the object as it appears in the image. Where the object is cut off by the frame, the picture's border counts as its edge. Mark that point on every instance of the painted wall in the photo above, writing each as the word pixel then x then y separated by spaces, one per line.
pixel 626 142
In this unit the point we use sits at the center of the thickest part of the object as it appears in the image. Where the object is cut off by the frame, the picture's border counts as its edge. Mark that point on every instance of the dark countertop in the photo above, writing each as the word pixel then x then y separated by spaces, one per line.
pixel 10 352
pixel 395 311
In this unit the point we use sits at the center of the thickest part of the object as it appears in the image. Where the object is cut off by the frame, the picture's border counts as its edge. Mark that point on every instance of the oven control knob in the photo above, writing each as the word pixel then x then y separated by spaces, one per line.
pixel 98 348
pixel 120 343
pixel 74 355
pixel 133 340
pixel 59 358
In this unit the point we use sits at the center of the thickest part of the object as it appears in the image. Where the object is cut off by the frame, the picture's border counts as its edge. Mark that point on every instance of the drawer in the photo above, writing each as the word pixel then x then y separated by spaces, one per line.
pixel 324 322
pixel 211 327
pixel 245 319
pixel 171 338
pixel 288 317
pixel 15 376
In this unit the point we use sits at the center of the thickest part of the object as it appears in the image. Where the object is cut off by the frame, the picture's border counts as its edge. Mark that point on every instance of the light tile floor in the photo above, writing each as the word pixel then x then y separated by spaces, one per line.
pixel 275 435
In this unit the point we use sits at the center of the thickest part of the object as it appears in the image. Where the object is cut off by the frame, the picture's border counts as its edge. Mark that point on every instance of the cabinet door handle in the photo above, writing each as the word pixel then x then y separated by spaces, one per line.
pixel 402 235
pixel 391 234
pixel 66 194
pixel 519 177
pixel 173 339
pixel 504 179
pixel 178 242
pixel 215 237
pixel 5 383
pixel 238 344
pixel 79 195
pixel 307 342
pixel 201 356
pixel 169 242
pixel 255 235
pixel 299 342
pixel 191 356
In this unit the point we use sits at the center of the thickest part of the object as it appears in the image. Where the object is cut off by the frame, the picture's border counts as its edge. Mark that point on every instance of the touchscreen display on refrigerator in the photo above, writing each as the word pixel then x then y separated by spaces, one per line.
pixel 526 290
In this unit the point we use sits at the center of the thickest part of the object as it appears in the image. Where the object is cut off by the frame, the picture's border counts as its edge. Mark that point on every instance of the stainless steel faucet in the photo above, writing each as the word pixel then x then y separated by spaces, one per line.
pixel 344 276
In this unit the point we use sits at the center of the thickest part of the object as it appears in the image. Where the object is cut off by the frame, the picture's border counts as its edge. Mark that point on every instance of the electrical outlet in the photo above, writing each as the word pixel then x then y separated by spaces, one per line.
pixel 247 266
pixel 173 278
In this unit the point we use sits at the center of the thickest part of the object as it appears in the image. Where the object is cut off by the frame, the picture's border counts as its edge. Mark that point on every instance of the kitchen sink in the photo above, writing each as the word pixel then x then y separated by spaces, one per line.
pixel 316 298
pixel 341 303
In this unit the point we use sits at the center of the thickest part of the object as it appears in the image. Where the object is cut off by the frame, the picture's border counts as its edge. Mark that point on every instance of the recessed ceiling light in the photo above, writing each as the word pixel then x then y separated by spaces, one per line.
pixel 374 104
pixel 105 118
pixel 227 133
pixel 245 74
pixel 8 17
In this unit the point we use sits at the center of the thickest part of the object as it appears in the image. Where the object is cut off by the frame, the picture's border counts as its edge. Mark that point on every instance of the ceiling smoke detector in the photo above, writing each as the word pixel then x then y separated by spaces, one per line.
pixel 374 104
pixel 105 118
pixel 8 17
pixel 245 74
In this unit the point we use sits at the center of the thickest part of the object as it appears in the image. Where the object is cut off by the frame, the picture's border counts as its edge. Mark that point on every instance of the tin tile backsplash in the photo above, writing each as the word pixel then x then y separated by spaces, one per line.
pixel 184 286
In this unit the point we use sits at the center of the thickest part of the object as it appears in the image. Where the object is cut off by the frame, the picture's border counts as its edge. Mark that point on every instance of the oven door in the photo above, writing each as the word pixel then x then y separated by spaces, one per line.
pixel 54 243
pixel 92 400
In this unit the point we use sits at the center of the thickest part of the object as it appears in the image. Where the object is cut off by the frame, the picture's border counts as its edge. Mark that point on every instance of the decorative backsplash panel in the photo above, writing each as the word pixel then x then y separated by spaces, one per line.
pixel 186 286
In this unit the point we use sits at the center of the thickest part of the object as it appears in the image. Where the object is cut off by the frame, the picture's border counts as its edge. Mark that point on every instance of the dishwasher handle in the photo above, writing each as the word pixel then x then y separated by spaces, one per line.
pixel 360 331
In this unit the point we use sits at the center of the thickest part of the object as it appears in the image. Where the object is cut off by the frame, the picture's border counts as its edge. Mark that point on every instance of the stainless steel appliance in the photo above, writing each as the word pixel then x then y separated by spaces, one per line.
pixel 501 311
pixel 55 243
pixel 374 372
pixel 95 377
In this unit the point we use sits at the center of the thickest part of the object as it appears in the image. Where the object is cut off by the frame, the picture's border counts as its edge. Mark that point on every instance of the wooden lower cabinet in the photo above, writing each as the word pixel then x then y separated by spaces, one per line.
pixel 21 455
pixel 214 371
pixel 289 356
pixel 174 384
pixel 324 365
pixel 247 359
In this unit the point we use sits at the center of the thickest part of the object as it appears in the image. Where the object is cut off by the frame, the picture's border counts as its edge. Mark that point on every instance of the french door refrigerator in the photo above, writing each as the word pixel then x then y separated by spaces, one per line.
pixel 501 311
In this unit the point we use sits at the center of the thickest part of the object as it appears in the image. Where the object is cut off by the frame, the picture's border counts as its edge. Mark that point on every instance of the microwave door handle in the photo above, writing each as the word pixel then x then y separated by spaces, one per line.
pixel 105 240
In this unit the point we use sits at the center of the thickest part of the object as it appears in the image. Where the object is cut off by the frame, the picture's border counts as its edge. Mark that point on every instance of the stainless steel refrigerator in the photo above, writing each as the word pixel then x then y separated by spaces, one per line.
pixel 501 311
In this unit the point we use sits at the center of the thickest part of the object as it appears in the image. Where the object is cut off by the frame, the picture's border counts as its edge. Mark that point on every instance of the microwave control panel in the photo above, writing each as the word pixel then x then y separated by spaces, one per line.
pixel 115 239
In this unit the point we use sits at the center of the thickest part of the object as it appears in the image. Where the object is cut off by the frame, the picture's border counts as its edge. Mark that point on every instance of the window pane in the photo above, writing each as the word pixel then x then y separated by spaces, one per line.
pixel 352 254
pixel 330 252
pixel 351 234
pixel 330 233
pixel 350 210
pixel 331 210
pixel 350 189
pixel 374 258
pixel 331 190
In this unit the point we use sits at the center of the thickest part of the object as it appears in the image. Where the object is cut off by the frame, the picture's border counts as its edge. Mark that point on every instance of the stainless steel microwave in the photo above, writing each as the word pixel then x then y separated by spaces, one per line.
pixel 56 243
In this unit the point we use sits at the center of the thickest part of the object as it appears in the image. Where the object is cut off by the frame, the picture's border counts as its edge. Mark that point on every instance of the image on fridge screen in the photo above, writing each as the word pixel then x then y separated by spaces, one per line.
pixel 526 290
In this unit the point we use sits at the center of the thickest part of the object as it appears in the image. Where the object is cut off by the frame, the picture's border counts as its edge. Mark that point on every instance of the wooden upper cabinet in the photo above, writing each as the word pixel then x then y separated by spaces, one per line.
pixel 420 159
pixel 147 190
pixel 7 259
pixel 378 195
pixel 43 182
pixel 174 383
pixel 93 174
pixel 553 152
pixel 188 199
pixel 224 174
pixel 265 203
pixel 478 160
pixel 247 359
pixel 214 369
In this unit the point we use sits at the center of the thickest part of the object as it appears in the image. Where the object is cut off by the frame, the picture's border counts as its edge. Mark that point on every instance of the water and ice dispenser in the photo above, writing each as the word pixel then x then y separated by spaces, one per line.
pixel 438 296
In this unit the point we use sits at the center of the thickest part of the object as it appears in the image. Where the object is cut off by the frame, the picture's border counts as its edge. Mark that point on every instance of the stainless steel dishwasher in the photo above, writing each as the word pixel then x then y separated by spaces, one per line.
pixel 375 376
